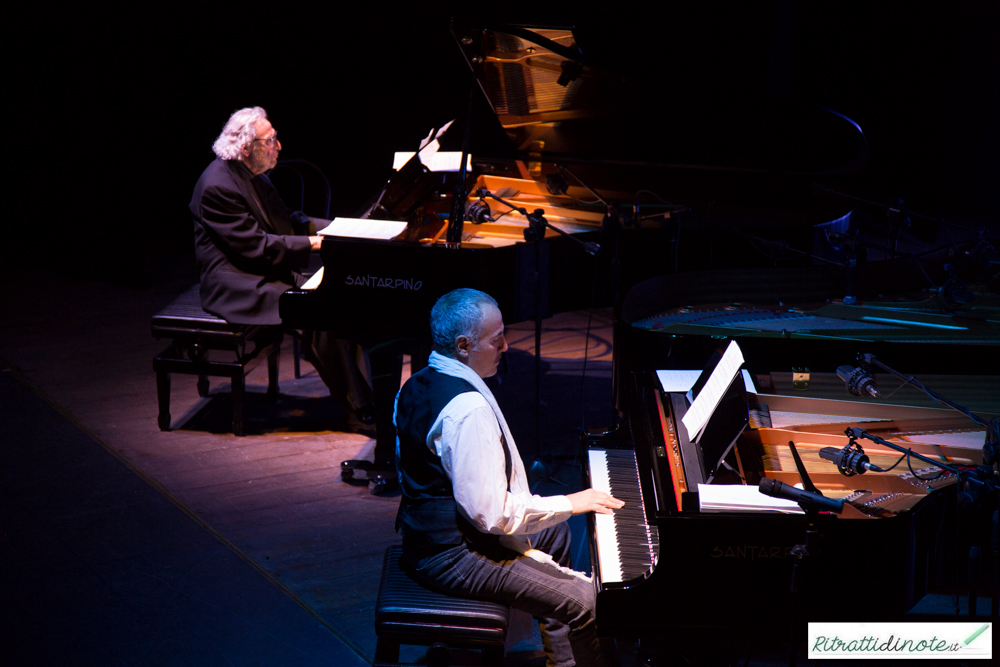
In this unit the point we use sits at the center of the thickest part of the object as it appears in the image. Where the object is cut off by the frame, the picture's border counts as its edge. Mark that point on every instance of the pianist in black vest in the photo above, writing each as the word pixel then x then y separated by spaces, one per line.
pixel 470 525
pixel 249 246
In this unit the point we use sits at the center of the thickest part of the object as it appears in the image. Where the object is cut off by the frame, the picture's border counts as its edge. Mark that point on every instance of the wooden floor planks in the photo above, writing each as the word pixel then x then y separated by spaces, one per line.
pixel 275 494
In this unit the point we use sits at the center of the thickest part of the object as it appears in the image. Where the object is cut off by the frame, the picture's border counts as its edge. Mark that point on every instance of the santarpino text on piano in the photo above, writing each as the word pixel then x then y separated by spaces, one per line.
pixel 751 551
pixel 389 283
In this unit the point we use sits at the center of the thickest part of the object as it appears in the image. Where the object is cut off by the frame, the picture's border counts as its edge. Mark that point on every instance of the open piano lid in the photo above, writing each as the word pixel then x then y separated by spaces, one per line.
pixel 557 105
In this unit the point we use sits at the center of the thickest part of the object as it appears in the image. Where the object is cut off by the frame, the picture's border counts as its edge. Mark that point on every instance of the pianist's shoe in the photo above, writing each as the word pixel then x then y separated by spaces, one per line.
pixel 361 421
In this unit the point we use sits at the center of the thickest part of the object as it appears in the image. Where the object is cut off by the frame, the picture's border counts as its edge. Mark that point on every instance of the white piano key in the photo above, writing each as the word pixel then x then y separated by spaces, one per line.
pixel 604 524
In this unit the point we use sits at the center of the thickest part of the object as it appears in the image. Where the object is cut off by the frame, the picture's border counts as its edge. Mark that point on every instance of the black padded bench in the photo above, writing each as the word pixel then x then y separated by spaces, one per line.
pixel 193 333
pixel 408 613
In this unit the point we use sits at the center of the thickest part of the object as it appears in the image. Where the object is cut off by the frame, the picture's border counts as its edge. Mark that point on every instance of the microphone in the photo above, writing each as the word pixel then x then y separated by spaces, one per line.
pixel 972 494
pixel 778 489
pixel 859 381
pixel 849 461
pixel 478 212
pixel 556 184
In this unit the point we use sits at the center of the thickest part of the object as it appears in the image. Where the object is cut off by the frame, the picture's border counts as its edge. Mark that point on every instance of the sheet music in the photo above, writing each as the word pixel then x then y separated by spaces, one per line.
pixel 429 147
pixel 713 391
pixel 314 280
pixel 432 136
pixel 440 161
pixel 677 381
pixel 682 381
pixel 740 498
pixel 358 228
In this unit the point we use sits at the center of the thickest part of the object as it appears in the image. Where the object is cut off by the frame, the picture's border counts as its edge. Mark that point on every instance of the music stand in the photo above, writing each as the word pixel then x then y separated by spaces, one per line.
pixel 727 422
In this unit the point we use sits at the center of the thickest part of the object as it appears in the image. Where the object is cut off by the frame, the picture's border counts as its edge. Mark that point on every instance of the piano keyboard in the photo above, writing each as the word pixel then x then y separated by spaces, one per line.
pixel 626 544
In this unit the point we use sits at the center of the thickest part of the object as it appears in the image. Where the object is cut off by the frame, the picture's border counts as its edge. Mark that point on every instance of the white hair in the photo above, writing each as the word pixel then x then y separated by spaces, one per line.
pixel 239 132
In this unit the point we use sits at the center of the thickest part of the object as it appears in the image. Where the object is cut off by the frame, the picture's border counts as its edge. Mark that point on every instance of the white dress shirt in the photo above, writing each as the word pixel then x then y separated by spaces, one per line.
pixel 466 435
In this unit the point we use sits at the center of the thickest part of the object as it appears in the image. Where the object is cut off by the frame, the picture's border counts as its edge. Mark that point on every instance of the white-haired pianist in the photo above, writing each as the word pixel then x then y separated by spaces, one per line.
pixel 250 247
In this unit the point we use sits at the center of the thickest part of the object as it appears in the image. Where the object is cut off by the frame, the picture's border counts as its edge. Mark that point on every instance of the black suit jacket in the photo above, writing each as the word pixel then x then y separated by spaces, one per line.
pixel 247 244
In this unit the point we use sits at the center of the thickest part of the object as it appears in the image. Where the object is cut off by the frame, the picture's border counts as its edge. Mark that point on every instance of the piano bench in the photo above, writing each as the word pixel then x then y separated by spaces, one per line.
pixel 193 333
pixel 408 613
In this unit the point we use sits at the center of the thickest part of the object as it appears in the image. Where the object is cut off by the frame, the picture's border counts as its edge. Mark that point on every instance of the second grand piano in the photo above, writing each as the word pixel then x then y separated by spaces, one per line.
pixel 668 565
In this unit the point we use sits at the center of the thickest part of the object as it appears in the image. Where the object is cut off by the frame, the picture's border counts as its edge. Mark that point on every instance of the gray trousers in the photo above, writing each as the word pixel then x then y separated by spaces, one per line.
pixel 562 603
pixel 341 366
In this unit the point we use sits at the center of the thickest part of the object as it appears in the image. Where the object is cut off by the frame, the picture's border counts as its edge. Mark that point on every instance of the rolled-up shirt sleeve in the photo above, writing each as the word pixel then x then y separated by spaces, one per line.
pixel 467 438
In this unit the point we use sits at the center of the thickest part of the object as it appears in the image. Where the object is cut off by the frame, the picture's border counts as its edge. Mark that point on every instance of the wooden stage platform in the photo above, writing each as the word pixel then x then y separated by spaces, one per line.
pixel 275 497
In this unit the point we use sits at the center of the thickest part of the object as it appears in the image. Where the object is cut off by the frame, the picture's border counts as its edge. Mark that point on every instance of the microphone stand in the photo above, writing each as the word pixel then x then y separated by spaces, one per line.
pixel 969 479
pixel 872 361
pixel 855 432
pixel 894 210
pixel 461 193
pixel 537 224
pixel 611 226
pixel 990 456
pixel 803 556
pixel 536 233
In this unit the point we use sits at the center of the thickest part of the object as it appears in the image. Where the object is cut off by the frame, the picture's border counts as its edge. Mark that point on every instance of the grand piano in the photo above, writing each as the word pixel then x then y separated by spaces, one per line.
pixel 380 293
pixel 684 185
pixel 665 562
pixel 600 171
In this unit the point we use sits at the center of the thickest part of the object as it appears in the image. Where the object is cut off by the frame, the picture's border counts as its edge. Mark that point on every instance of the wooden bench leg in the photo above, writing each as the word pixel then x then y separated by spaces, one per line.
pixel 203 385
pixel 386 652
pixel 163 399
pixel 272 373
pixel 238 392
pixel 493 656
pixel 296 353
pixel 438 655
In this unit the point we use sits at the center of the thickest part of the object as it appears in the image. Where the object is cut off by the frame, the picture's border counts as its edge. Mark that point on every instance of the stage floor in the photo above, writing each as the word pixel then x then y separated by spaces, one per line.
pixel 262 554
pixel 83 352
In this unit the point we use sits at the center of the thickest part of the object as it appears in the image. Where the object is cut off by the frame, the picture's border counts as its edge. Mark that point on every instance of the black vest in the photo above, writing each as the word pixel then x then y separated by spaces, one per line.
pixel 428 513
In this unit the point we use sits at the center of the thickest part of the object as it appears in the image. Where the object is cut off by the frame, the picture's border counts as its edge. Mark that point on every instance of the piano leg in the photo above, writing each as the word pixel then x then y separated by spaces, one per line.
pixel 272 372
pixel 387 368
pixel 238 395
pixel 386 360
pixel 163 399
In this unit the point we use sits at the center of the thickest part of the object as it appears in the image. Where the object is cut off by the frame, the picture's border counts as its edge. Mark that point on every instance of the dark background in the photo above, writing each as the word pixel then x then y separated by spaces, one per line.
pixel 115 109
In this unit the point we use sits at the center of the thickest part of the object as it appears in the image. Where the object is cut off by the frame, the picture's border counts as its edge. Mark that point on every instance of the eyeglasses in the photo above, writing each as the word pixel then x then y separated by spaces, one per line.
pixel 270 141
